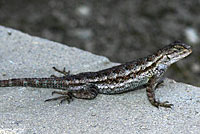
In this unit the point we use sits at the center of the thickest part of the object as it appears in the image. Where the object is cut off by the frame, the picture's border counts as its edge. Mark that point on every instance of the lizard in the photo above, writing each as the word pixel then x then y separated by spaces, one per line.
pixel 147 71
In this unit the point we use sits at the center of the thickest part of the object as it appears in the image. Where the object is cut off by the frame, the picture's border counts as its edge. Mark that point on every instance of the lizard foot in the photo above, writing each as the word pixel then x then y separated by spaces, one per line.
pixel 53 76
pixel 165 104
pixel 66 97
pixel 61 71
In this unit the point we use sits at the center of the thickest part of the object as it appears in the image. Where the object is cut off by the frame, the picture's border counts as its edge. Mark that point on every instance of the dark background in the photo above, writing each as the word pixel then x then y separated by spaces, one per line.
pixel 121 30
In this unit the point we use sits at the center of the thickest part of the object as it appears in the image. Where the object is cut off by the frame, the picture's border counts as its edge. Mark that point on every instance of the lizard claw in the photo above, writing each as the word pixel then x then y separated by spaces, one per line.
pixel 66 99
pixel 158 104
pixel 66 96
pixel 165 104
pixel 53 76
pixel 62 71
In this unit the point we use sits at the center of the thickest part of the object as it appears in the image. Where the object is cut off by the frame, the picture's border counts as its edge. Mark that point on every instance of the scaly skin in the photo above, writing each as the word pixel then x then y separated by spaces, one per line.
pixel 146 71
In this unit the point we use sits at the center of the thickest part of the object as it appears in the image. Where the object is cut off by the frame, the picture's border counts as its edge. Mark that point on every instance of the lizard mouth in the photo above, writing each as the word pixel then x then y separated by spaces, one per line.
pixel 187 52
pixel 178 56
pixel 184 54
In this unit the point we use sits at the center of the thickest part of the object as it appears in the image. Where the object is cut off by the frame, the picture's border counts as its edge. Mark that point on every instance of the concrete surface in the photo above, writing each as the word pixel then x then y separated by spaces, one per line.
pixel 23 110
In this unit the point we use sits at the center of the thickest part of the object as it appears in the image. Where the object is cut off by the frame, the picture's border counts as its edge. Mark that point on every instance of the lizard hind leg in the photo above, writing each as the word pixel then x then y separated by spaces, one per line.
pixel 87 94
pixel 60 71
pixel 66 96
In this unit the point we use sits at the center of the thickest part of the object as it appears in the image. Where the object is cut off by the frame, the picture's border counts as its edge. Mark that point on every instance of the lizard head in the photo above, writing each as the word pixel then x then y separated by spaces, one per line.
pixel 175 51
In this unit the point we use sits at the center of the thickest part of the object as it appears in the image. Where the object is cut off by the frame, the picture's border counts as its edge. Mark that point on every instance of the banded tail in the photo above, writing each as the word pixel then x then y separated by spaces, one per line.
pixel 33 82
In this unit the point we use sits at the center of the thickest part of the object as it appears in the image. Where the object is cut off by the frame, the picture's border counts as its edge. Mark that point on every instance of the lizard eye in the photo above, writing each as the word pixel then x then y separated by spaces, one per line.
pixel 168 57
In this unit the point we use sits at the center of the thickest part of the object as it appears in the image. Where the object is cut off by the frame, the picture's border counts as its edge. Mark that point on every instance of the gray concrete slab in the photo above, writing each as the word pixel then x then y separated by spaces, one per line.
pixel 23 110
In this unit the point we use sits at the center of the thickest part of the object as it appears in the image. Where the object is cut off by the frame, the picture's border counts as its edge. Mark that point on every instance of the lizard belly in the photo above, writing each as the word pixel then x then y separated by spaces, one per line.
pixel 121 86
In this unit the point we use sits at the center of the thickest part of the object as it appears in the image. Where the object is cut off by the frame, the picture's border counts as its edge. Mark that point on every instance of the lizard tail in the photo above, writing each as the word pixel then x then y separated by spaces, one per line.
pixel 31 82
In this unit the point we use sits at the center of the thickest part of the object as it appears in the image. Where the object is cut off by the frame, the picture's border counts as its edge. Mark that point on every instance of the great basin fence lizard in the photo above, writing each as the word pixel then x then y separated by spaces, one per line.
pixel 147 71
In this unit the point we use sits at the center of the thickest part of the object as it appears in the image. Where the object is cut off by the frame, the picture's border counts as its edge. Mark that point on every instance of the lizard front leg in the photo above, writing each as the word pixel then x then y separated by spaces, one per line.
pixel 151 94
